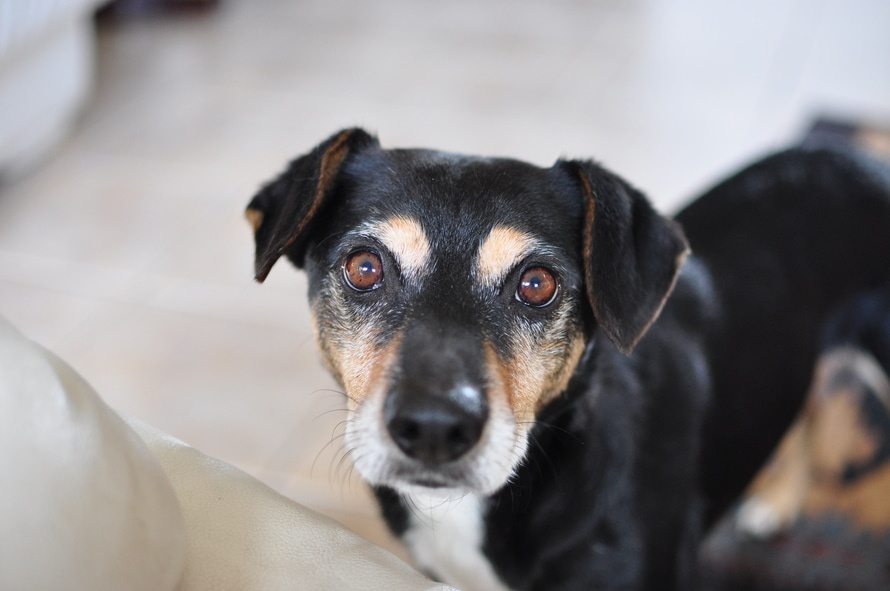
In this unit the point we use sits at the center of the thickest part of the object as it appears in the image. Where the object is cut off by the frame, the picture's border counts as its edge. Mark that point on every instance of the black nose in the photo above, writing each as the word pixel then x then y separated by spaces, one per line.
pixel 433 430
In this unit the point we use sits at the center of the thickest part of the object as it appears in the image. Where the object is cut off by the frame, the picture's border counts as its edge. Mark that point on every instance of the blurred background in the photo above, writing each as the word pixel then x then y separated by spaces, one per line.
pixel 131 139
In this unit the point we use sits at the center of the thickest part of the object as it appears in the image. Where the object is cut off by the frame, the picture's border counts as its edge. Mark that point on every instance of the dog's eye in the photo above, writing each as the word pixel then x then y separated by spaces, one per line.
pixel 537 287
pixel 363 270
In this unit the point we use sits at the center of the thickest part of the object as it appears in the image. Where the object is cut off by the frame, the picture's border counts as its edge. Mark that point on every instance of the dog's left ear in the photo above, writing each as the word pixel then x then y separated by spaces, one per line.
pixel 283 211
pixel 632 255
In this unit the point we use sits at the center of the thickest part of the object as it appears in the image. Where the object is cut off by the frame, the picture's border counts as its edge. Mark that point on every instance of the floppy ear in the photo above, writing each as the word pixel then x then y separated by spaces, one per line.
pixel 283 211
pixel 631 254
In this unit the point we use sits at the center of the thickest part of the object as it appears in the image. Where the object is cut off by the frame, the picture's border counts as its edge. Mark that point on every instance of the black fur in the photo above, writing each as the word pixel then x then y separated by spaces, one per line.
pixel 607 498
pixel 642 451
pixel 286 202
pixel 785 241
pixel 631 254
pixel 863 322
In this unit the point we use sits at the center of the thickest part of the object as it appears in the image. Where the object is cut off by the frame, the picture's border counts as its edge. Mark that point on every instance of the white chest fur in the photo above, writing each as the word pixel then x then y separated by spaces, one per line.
pixel 445 536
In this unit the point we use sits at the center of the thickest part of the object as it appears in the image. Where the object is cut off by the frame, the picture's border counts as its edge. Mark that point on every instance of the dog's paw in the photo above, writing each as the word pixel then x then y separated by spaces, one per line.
pixel 758 519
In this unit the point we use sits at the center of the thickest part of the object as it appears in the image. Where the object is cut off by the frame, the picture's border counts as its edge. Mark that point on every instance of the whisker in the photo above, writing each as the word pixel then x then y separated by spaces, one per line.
pixel 332 391
pixel 327 412
pixel 341 480
pixel 333 438
pixel 549 426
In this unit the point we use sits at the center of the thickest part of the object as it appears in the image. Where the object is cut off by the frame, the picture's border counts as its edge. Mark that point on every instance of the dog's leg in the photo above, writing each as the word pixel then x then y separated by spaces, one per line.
pixel 776 496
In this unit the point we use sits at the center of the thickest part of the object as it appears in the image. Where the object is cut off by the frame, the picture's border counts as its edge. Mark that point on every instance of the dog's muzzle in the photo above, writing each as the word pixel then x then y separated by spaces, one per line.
pixel 434 421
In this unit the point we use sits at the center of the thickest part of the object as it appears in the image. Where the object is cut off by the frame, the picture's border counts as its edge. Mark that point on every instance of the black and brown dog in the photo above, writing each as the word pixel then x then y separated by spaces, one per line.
pixel 817 516
pixel 543 395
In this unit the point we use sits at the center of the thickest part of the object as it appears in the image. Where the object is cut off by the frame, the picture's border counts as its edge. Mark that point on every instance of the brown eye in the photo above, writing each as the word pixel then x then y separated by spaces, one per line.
pixel 537 287
pixel 363 270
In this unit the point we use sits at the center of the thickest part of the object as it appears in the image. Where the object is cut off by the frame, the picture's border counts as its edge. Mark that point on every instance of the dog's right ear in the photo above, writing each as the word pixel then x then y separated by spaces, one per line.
pixel 632 255
pixel 283 211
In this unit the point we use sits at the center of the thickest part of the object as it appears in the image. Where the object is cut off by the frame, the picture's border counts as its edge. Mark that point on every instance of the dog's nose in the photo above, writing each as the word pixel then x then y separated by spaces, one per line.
pixel 434 430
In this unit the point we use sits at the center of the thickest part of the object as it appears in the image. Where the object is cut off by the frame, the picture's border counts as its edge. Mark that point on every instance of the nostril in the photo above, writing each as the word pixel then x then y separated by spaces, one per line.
pixel 405 431
pixel 458 437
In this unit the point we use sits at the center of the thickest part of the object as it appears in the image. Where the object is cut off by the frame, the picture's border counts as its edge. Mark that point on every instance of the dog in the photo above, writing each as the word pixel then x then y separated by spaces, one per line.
pixel 824 493
pixel 546 390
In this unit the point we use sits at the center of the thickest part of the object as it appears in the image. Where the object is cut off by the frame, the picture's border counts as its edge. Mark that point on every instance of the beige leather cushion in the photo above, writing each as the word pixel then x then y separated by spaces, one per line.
pixel 245 536
pixel 83 503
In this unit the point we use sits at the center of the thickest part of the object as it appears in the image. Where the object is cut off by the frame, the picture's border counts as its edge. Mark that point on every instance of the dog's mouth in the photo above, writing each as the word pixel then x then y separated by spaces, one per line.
pixel 427 481
pixel 459 476
pixel 408 481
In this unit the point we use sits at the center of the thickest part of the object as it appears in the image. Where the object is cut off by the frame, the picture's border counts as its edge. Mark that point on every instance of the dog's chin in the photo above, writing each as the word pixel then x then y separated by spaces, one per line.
pixel 447 481
pixel 425 488
pixel 454 481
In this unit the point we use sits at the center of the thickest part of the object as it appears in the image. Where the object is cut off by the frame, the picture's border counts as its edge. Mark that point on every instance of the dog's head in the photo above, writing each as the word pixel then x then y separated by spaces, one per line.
pixel 454 296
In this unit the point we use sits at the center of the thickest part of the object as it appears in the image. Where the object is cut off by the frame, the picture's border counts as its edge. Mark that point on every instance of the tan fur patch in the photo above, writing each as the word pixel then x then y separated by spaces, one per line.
pixel 836 437
pixel 350 343
pixel 806 475
pixel 865 502
pixel 406 240
pixel 350 352
pixel 383 360
pixel 534 375
pixel 783 483
pixel 254 218
pixel 499 252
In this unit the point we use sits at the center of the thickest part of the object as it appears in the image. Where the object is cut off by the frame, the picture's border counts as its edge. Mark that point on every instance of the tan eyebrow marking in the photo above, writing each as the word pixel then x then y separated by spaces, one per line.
pixel 406 240
pixel 500 251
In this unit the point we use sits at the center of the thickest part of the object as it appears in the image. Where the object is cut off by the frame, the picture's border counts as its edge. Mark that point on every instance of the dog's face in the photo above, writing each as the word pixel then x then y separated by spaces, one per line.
pixel 453 296
pixel 446 303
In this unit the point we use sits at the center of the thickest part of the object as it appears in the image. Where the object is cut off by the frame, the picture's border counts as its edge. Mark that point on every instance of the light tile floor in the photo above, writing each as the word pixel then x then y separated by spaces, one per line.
pixel 127 253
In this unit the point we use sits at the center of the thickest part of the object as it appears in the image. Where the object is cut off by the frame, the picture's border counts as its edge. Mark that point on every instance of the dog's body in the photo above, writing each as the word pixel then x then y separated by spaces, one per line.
pixel 480 314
